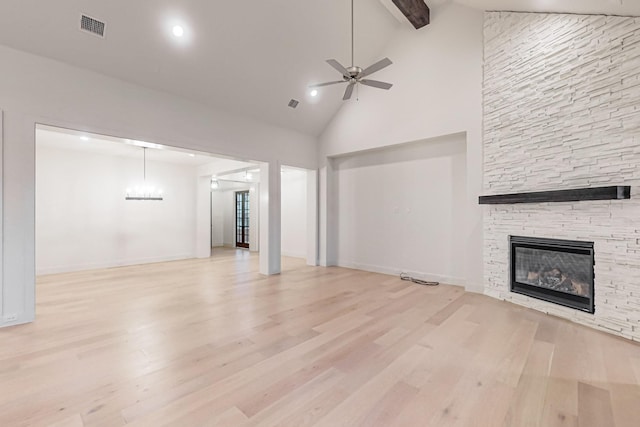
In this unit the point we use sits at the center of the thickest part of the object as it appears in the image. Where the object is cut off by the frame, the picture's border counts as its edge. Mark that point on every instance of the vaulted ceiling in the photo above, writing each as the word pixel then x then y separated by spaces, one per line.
pixel 246 57
pixel 605 7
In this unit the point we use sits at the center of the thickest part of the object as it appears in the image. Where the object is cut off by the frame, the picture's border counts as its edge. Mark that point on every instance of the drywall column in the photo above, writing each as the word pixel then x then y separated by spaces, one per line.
pixel 270 199
pixel 254 218
pixel 312 217
pixel 18 270
pixel 1 218
pixel 203 217
pixel 328 215
pixel 474 227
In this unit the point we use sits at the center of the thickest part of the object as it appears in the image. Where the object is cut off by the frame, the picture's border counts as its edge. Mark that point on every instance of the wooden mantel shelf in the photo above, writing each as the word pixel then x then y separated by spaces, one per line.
pixel 617 192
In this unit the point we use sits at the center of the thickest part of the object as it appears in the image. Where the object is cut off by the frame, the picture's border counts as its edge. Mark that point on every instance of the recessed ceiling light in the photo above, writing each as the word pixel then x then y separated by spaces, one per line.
pixel 314 92
pixel 178 31
pixel 191 155
pixel 84 138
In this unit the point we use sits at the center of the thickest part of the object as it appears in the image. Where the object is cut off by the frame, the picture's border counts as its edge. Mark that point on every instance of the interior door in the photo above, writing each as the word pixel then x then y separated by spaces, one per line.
pixel 242 219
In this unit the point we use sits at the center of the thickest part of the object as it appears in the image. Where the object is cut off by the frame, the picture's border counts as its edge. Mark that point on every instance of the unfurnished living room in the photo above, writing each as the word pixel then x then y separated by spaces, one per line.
pixel 320 213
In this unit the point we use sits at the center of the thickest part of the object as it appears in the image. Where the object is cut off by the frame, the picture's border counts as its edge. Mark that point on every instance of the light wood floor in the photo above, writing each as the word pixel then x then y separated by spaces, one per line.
pixel 212 343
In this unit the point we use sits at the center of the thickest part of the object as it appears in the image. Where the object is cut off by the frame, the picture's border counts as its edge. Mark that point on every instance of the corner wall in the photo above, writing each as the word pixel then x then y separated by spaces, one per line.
pixel 561 110
pixel 414 197
pixel 294 213
pixel 83 221
pixel 437 77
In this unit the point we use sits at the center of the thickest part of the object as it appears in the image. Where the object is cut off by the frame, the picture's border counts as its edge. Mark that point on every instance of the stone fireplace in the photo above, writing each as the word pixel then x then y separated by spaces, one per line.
pixel 561 102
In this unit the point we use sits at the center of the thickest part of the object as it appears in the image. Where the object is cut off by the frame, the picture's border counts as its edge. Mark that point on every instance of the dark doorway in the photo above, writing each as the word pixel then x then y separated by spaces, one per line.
pixel 242 219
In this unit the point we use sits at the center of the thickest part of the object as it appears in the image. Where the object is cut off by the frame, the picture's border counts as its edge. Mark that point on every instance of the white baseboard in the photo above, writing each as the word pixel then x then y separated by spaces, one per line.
pixel 109 264
pixel 19 319
pixel 474 288
pixel 393 271
pixel 293 254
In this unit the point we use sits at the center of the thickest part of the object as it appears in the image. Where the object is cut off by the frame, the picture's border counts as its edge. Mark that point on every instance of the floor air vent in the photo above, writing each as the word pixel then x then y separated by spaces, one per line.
pixel 92 25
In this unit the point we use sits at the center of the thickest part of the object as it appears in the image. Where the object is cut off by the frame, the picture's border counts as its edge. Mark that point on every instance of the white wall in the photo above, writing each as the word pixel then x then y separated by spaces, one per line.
pixel 83 220
pixel 402 209
pixel 217 219
pixel 294 213
pixel 437 77
pixel 35 89
pixel 229 218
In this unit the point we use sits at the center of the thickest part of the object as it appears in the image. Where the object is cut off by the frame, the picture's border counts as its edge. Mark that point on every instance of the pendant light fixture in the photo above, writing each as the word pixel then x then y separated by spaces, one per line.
pixel 144 192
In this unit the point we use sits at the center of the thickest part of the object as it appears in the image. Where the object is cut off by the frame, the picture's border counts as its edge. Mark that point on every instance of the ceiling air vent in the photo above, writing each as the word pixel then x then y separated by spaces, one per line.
pixel 293 103
pixel 92 25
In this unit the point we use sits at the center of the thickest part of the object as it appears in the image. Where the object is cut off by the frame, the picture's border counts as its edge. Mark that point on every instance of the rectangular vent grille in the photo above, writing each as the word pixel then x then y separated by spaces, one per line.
pixel 92 26
pixel 293 103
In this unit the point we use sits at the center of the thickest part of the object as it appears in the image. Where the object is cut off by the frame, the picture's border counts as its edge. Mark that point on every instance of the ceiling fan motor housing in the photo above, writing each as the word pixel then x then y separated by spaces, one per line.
pixel 354 71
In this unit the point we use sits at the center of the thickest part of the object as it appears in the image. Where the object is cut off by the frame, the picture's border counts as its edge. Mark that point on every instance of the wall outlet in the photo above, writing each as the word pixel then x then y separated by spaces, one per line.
pixel 10 318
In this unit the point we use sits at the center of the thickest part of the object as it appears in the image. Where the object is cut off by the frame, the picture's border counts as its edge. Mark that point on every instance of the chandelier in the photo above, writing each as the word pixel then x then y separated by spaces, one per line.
pixel 144 191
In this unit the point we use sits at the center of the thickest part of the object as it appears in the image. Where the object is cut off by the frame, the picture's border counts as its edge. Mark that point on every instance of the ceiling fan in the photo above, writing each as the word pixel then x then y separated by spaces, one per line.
pixel 354 74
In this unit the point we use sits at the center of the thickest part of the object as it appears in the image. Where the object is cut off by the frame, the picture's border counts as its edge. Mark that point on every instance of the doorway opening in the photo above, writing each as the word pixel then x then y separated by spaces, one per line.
pixel 105 201
pixel 242 219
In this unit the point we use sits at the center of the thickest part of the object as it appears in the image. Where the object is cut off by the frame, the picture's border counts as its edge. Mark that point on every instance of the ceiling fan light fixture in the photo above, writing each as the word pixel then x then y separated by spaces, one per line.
pixel 314 92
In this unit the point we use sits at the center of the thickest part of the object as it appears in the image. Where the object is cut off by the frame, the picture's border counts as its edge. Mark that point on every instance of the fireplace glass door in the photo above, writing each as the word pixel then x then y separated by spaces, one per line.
pixel 559 271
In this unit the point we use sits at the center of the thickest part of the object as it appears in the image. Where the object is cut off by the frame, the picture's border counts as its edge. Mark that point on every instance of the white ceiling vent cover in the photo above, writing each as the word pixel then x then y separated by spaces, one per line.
pixel 92 25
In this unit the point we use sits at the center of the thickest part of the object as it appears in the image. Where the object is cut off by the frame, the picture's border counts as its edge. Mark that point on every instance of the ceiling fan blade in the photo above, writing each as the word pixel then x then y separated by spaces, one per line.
pixel 375 83
pixel 335 64
pixel 376 67
pixel 348 92
pixel 328 83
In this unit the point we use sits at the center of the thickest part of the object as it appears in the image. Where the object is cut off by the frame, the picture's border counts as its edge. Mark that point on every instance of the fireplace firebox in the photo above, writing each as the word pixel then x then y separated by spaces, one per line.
pixel 558 271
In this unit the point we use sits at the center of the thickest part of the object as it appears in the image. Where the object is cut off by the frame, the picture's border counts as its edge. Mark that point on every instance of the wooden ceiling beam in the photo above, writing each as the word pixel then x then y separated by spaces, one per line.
pixel 416 11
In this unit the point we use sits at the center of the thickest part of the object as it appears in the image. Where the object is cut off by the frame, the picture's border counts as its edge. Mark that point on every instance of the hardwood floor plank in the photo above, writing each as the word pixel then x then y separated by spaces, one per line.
pixel 561 403
pixel 446 374
pixel 358 405
pixel 209 342
pixel 594 406
pixel 528 405
pixel 72 421
pixel 303 396
pixel 387 409
pixel 624 403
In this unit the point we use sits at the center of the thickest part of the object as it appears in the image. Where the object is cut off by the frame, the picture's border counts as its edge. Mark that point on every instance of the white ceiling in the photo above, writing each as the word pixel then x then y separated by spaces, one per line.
pixel 247 57
pixel 252 174
pixel 607 7
pixel 63 139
